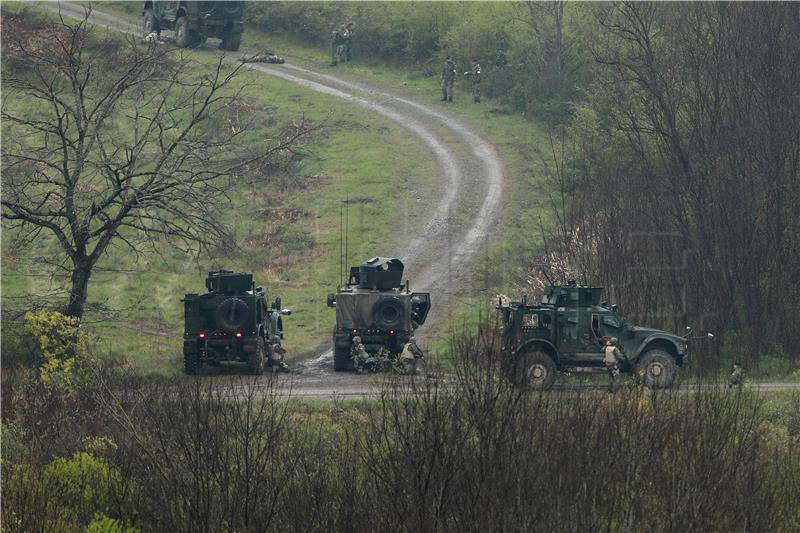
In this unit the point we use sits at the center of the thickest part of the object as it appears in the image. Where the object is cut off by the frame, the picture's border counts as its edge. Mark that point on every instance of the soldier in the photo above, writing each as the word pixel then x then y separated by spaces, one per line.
pixel 337 46
pixel 448 77
pixel 278 365
pixel 347 34
pixel 737 375
pixel 612 358
pixel 409 356
pixel 267 56
pixel 359 355
pixel 475 73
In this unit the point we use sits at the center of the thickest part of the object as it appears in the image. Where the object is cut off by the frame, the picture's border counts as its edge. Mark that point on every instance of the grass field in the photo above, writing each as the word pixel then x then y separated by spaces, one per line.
pixel 286 227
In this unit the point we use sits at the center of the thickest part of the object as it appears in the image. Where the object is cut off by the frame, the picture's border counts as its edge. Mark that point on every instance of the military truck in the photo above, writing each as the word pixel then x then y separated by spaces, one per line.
pixel 567 331
pixel 232 322
pixel 376 306
pixel 194 21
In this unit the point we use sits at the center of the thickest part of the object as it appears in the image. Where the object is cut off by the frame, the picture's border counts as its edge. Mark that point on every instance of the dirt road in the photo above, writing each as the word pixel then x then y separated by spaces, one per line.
pixel 454 222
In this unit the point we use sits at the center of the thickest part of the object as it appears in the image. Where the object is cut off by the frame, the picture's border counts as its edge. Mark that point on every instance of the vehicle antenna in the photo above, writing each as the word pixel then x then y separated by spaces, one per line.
pixel 346 227
pixel 550 281
pixel 341 244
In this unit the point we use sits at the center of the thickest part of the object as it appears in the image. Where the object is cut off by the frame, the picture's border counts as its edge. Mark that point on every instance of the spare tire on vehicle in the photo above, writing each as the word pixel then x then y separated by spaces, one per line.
pixel 232 314
pixel 388 313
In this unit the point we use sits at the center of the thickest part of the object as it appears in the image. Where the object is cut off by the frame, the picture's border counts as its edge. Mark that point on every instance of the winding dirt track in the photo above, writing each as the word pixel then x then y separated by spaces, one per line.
pixel 459 214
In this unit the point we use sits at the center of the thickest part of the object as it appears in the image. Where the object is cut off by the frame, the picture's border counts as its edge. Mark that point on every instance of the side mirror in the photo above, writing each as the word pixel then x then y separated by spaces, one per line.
pixel 277 303
pixel 331 300
pixel 615 308
pixel 286 311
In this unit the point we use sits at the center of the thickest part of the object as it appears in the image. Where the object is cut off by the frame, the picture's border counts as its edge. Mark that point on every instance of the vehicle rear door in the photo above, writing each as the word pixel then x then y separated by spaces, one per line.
pixel 419 312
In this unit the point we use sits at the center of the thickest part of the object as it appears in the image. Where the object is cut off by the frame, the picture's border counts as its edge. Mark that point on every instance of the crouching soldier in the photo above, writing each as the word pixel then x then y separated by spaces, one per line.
pixel 410 357
pixel 737 375
pixel 612 358
pixel 278 352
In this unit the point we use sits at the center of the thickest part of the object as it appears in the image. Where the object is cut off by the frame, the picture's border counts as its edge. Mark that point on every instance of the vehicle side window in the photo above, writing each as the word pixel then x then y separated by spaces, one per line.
pixel 612 321
pixel 530 321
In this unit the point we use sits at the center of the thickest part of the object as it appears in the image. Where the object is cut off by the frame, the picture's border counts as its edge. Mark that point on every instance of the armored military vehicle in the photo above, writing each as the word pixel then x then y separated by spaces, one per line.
pixel 376 306
pixel 567 331
pixel 195 21
pixel 232 322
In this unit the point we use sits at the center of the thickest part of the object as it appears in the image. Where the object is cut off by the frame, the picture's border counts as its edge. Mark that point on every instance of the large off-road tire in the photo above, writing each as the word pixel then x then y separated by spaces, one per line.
pixel 191 363
pixel 388 313
pixel 341 360
pixel 183 36
pixel 232 314
pixel 258 359
pixel 534 370
pixel 657 368
pixel 149 23
pixel 231 42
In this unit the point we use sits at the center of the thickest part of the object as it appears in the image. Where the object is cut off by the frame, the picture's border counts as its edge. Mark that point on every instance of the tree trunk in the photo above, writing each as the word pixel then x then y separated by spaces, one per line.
pixel 80 285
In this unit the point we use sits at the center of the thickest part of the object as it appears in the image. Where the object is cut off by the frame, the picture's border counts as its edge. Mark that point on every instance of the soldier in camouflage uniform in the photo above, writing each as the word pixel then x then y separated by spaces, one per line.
pixel 267 56
pixel 737 375
pixel 408 358
pixel 448 77
pixel 612 357
pixel 347 35
pixel 337 46
pixel 359 355
pixel 475 74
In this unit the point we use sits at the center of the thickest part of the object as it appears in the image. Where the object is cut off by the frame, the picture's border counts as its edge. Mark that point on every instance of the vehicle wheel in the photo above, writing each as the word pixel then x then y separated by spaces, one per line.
pixel 341 360
pixel 232 314
pixel 233 42
pixel 658 369
pixel 191 363
pixel 183 37
pixel 535 370
pixel 258 359
pixel 149 24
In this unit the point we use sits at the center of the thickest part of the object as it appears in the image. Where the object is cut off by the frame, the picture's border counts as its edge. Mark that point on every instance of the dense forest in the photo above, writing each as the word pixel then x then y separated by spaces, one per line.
pixel 675 146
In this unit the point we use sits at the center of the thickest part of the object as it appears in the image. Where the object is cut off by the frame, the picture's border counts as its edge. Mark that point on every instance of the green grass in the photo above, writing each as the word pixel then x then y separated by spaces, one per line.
pixel 289 238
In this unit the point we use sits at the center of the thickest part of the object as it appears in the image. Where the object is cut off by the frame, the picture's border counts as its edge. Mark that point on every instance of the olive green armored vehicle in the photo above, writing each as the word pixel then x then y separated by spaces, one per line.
pixel 376 306
pixel 566 332
pixel 232 322
pixel 195 21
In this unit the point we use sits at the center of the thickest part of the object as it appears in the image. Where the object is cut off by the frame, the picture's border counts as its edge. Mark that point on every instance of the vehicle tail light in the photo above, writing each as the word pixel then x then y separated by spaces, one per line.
pixel 238 334
pixel 201 335
pixel 392 332
pixel 355 330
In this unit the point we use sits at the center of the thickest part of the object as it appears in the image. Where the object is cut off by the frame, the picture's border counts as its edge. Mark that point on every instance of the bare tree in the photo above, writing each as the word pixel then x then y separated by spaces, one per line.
pixel 111 141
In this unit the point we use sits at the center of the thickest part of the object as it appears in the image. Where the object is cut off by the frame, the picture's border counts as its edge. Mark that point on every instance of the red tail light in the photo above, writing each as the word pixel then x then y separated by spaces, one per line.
pixel 201 335
pixel 355 330
pixel 238 334
pixel 392 332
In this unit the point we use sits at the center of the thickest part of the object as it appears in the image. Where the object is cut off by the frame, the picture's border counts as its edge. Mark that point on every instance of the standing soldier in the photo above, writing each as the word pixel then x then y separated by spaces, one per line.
pixel 475 74
pixel 737 375
pixel 448 77
pixel 612 357
pixel 337 46
pixel 347 34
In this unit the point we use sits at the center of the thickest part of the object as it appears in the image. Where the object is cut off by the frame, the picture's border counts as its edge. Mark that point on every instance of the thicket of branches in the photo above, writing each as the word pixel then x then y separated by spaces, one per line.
pixel 681 172
pixel 482 456
pixel 116 142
